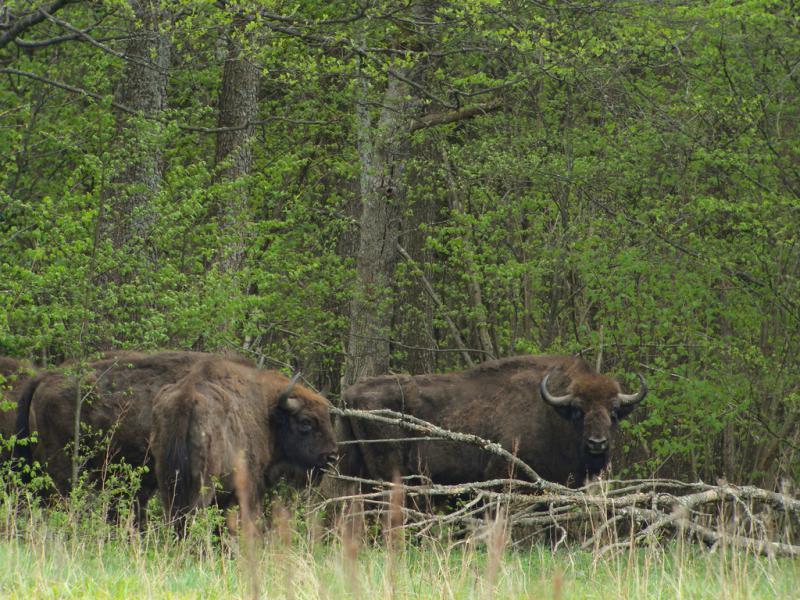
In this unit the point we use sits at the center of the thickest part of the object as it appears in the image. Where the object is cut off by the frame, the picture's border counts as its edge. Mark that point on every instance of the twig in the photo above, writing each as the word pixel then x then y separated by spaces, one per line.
pixel 69 88
pixel 628 512
pixel 410 422
pixel 391 440
pixel 35 17
pixel 435 297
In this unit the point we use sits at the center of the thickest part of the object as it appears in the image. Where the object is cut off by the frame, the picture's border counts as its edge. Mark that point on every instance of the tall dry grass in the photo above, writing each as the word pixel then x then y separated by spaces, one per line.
pixel 70 550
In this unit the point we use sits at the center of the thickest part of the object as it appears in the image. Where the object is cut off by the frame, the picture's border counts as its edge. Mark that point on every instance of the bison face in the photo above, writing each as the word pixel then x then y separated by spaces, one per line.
pixel 304 432
pixel 594 405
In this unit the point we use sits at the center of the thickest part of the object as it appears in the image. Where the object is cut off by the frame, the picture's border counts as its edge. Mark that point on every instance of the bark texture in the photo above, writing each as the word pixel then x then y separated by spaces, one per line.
pixel 143 88
pixel 238 109
pixel 382 148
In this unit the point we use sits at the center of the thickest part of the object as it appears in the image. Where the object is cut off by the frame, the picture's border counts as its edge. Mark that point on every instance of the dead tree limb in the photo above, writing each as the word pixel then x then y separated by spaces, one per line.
pixel 459 114
pixel 607 515
pixel 413 423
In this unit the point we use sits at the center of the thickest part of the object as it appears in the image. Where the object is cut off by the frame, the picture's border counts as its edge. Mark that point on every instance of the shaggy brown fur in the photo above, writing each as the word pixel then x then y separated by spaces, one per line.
pixel 14 374
pixel 118 391
pixel 498 400
pixel 223 416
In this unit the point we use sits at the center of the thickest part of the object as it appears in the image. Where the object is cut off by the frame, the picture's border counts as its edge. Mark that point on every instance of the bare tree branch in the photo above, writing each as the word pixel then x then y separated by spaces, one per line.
pixel 461 114
pixel 126 109
pixel 407 421
pixel 82 34
pixel 435 297
pixel 48 42
pixel 258 122
pixel 654 511
pixel 28 21
pixel 69 88
pixel 607 515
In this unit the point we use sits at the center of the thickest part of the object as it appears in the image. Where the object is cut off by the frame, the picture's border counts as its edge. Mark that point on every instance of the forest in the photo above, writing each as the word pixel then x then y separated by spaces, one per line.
pixel 360 188
pixel 363 188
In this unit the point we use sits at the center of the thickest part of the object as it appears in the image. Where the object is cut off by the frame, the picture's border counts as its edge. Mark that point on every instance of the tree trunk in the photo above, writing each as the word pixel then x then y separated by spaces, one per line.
pixel 143 87
pixel 238 109
pixel 382 149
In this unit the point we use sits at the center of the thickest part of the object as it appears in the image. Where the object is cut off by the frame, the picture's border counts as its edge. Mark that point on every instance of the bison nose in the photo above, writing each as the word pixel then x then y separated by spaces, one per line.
pixel 596 445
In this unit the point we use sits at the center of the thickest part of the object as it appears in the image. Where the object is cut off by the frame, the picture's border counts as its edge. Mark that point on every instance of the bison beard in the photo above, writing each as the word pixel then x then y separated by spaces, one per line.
pixel 564 438
pixel 226 423
pixel 593 464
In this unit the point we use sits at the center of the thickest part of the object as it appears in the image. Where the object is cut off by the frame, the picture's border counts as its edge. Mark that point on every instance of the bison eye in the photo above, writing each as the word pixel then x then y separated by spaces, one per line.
pixel 615 416
pixel 305 425
pixel 577 414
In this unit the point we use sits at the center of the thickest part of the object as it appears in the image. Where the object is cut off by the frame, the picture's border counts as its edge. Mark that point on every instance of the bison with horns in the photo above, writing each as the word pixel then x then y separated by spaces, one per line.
pixel 554 412
pixel 217 431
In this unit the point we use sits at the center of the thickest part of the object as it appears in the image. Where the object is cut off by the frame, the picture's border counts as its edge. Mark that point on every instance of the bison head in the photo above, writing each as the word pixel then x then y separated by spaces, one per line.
pixel 594 404
pixel 304 431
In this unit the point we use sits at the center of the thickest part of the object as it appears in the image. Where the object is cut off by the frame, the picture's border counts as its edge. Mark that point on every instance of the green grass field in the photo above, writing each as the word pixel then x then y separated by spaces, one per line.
pixel 63 554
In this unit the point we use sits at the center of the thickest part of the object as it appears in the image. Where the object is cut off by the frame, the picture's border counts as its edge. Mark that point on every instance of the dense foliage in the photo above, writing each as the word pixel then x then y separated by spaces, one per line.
pixel 620 179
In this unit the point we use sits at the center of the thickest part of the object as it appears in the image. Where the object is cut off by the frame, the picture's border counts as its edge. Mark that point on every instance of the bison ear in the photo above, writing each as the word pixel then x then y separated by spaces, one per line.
pixel 286 401
pixel 624 410
pixel 625 403
pixel 291 404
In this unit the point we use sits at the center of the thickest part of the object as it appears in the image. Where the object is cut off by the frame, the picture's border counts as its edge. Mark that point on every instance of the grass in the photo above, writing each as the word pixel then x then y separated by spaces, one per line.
pixel 73 550
pixel 75 554
pixel 65 568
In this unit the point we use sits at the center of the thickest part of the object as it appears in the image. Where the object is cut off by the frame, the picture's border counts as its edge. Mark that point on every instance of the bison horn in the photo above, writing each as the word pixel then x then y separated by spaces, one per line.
pixel 553 400
pixel 285 400
pixel 631 399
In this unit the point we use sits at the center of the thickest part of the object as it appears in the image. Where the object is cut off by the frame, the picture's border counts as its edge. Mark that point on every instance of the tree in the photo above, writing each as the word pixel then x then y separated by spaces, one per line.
pixel 238 110
pixel 142 89
pixel 615 181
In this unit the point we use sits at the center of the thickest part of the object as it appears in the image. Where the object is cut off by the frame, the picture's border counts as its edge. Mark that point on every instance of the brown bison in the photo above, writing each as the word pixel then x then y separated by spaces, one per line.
pixel 116 392
pixel 14 374
pixel 554 412
pixel 217 432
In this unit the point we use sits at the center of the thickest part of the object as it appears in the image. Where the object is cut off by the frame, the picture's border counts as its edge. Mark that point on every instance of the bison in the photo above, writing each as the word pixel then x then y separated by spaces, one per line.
pixel 554 412
pixel 116 392
pixel 217 432
pixel 14 374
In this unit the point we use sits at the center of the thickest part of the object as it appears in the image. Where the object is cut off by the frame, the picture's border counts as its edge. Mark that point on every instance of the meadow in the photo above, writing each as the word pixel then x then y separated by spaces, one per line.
pixel 73 550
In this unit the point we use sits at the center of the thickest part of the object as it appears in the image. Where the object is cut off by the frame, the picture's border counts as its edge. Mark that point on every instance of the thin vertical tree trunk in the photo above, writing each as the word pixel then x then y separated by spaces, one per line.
pixel 238 109
pixel 382 149
pixel 125 214
pixel 729 451
pixel 481 320
pixel 415 326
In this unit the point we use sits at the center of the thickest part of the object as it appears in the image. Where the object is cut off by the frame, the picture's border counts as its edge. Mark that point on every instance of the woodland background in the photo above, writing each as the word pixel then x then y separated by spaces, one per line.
pixel 358 187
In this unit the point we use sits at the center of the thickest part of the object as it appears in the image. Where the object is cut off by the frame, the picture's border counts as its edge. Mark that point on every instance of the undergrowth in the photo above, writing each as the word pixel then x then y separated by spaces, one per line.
pixel 78 547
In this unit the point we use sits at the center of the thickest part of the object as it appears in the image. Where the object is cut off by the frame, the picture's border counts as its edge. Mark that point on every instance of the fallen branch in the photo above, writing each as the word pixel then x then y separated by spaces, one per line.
pixel 607 515
pixel 407 421
pixel 624 521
